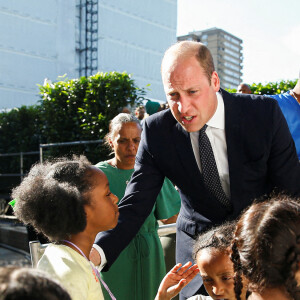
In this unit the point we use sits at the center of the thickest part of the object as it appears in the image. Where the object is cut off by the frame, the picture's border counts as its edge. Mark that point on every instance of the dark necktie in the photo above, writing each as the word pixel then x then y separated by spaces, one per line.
pixel 209 169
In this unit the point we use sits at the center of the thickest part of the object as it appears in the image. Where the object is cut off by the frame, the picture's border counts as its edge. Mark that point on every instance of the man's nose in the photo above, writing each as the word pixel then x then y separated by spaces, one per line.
pixel 183 105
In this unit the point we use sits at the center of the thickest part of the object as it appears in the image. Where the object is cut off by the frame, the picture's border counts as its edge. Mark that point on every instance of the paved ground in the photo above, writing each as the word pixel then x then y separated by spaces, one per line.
pixel 13 243
pixel 9 257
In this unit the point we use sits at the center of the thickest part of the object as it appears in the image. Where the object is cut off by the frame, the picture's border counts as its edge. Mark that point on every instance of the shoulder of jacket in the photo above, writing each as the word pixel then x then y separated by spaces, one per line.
pixel 163 119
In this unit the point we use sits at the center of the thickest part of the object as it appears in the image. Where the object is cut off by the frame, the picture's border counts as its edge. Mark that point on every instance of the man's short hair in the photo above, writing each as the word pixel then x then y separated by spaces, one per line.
pixel 244 88
pixel 185 49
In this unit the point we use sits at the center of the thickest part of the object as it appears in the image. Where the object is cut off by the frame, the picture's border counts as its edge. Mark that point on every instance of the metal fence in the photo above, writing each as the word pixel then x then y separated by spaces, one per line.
pixel 43 146
pixel 21 154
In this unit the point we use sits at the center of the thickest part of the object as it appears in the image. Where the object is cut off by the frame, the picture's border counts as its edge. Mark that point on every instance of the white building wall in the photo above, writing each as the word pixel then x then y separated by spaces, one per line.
pixel 133 36
pixel 37 40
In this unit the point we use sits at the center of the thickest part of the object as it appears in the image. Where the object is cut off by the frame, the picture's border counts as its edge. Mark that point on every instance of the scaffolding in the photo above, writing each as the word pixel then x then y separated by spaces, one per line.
pixel 87 39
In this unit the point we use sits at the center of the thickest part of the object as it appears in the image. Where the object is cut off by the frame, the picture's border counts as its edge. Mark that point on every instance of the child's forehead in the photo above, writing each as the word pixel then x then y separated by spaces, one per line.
pixel 96 172
pixel 98 176
pixel 214 259
pixel 211 253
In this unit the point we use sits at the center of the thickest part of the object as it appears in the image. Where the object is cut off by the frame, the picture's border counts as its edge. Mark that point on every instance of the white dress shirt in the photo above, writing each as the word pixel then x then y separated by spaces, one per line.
pixel 216 133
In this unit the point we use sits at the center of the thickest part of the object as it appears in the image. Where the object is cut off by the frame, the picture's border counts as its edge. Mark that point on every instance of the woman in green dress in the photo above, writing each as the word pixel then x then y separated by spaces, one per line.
pixel 139 269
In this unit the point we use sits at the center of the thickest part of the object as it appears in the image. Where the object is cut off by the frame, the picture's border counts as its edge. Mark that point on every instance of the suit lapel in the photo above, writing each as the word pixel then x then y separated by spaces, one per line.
pixel 185 152
pixel 234 142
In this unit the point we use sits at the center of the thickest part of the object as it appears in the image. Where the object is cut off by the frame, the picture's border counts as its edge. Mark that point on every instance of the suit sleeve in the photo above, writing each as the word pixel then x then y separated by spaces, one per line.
pixel 284 166
pixel 137 203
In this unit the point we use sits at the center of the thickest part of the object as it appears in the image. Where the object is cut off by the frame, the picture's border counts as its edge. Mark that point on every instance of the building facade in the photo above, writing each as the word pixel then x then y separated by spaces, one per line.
pixel 37 40
pixel 226 50
pixel 51 38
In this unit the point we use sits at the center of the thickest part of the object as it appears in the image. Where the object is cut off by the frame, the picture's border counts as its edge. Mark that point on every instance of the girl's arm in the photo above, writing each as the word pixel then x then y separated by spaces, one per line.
pixel 176 280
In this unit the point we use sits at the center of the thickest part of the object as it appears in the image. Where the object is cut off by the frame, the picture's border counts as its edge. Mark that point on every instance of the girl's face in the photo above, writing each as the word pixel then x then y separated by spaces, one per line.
pixel 102 212
pixel 216 270
pixel 125 144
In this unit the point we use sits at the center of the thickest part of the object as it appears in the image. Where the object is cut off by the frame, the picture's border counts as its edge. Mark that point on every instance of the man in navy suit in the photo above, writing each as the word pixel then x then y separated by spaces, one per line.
pixel 252 147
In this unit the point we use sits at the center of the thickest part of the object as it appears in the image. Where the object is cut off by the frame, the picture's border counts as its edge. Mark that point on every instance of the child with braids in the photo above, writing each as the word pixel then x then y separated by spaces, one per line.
pixel 266 249
pixel 212 254
pixel 69 201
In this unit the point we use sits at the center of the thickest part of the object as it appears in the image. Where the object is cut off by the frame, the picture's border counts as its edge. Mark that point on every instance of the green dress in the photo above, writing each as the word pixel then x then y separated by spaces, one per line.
pixel 138 271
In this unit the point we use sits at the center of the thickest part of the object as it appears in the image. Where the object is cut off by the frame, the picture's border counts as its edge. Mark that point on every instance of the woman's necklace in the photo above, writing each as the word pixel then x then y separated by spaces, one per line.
pixel 113 163
pixel 95 271
pixel 294 95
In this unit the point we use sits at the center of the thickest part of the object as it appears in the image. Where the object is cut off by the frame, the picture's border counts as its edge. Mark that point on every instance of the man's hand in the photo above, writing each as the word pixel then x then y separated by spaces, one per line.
pixel 176 280
pixel 95 257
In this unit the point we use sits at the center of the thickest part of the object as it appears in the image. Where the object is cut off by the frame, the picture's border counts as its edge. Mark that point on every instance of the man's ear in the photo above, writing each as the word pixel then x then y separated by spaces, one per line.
pixel 215 81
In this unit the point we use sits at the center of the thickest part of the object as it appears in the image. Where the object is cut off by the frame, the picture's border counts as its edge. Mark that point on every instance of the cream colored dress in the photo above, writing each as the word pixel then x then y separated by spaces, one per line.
pixel 73 271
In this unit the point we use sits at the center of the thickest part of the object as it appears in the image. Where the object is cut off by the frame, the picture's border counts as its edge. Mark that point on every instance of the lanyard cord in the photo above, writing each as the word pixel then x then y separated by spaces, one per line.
pixel 94 270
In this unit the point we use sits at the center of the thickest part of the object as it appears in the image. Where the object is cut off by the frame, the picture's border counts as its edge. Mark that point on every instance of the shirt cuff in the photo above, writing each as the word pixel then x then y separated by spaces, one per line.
pixel 103 257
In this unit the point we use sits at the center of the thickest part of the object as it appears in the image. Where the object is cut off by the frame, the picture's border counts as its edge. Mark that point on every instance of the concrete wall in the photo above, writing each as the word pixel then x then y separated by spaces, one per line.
pixel 37 40
pixel 133 36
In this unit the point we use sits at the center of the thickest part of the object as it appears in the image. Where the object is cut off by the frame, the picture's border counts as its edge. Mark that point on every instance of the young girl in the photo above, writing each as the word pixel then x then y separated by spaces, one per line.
pixel 138 271
pixel 69 201
pixel 212 254
pixel 266 249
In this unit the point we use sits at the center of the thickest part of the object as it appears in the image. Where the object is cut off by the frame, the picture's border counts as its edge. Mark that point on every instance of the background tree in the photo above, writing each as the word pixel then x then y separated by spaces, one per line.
pixel 271 88
pixel 19 132
pixel 69 110
pixel 80 109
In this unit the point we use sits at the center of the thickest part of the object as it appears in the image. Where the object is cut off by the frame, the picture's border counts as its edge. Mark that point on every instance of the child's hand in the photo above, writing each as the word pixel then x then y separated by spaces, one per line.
pixel 176 280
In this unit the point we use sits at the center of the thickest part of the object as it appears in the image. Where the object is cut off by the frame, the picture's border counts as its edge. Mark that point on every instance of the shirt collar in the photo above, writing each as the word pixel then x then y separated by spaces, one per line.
pixel 218 119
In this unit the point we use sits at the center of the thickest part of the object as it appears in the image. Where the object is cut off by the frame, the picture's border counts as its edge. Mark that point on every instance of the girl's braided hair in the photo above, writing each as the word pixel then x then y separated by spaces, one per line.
pixel 218 238
pixel 266 245
pixel 238 283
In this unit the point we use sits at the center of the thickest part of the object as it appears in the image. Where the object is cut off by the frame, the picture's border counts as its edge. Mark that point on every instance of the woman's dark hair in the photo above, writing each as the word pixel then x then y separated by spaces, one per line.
pixel 29 284
pixel 266 245
pixel 52 197
pixel 219 238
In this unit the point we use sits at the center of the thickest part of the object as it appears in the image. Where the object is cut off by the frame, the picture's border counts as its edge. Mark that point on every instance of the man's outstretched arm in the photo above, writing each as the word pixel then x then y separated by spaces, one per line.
pixel 134 208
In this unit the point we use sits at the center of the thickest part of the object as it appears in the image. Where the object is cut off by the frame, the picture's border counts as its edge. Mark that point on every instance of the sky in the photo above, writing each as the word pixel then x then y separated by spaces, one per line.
pixel 270 31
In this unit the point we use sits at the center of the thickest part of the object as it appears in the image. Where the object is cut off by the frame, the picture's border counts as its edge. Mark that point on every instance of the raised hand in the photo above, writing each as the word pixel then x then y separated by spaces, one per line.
pixel 176 280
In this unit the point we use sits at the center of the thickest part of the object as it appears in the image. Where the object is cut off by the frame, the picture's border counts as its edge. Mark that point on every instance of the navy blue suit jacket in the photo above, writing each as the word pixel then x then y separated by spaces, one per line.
pixel 261 156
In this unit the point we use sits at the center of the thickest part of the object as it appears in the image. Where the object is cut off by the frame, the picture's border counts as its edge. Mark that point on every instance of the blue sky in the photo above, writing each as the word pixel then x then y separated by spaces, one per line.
pixel 270 31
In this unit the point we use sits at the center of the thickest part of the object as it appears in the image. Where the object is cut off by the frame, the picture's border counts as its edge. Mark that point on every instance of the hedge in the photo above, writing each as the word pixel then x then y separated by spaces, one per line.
pixel 271 88
pixel 68 110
